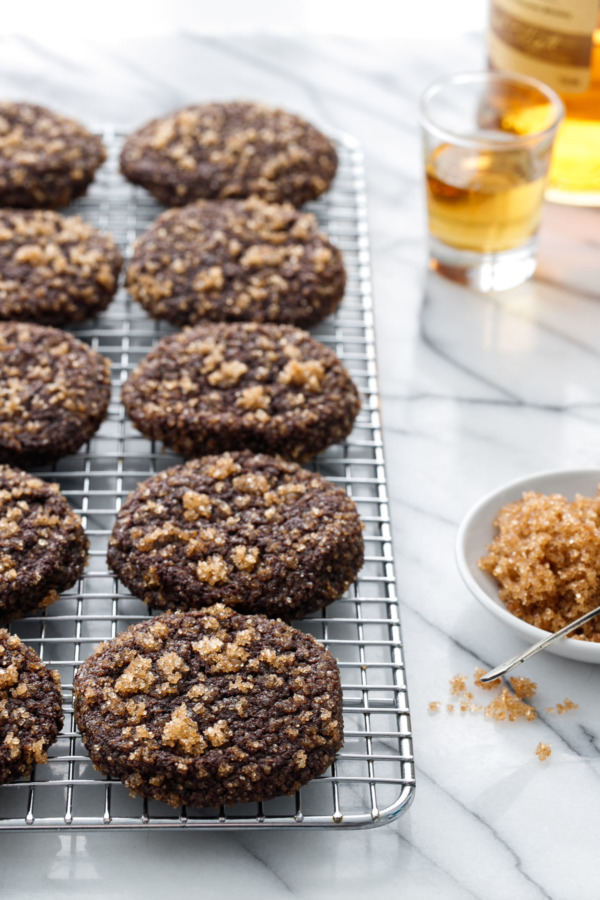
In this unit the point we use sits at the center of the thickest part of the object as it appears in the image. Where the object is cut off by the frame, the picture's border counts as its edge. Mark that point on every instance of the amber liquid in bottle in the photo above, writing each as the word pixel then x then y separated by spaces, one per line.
pixel 486 201
pixel 575 169
pixel 530 39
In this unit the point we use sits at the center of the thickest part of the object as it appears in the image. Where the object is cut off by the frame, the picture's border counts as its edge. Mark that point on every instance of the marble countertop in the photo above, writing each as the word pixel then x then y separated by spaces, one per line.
pixel 476 391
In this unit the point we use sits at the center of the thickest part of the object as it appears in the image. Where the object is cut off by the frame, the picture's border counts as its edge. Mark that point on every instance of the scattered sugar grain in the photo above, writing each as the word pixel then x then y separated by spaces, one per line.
pixel 566 706
pixel 507 706
pixel 523 687
pixel 458 685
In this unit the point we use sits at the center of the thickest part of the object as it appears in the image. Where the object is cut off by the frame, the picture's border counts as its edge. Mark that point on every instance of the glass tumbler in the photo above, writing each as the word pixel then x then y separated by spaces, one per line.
pixel 487 139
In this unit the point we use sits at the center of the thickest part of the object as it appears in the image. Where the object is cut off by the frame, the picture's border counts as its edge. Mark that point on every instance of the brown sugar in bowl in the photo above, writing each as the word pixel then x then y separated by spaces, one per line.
pixel 477 532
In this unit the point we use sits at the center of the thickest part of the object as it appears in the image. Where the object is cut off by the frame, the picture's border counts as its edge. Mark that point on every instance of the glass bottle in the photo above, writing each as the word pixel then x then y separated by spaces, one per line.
pixel 558 41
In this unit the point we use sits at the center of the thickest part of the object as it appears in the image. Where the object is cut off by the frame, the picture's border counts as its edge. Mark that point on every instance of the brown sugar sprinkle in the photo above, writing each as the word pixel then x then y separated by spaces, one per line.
pixel 546 558
pixel 523 687
pixel 458 685
pixel 543 751
pixel 508 705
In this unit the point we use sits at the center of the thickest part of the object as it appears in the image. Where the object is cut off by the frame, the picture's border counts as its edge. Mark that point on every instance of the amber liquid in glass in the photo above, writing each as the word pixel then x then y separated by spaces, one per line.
pixel 487 201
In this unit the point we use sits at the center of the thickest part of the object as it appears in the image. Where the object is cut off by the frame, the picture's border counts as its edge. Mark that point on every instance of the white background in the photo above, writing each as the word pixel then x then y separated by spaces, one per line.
pixel 365 19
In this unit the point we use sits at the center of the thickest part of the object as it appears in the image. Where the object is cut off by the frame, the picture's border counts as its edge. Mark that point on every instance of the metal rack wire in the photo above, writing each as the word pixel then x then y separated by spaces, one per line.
pixel 372 780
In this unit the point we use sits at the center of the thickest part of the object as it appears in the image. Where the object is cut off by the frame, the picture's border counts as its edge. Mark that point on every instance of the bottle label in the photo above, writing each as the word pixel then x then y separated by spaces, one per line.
pixel 548 39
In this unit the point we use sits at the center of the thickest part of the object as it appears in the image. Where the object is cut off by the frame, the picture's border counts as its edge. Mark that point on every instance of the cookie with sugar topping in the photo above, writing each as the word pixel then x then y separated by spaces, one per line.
pixel 43 547
pixel 54 269
pixel 54 393
pixel 236 260
pixel 240 385
pixel 250 530
pixel 30 700
pixel 46 160
pixel 222 150
pixel 210 707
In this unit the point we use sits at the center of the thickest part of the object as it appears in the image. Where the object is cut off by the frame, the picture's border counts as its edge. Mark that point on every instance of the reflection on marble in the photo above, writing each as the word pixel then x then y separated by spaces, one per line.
pixel 476 391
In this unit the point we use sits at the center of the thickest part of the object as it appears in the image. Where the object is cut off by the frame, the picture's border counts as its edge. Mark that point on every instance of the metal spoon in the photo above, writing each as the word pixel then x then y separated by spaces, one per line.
pixel 541 645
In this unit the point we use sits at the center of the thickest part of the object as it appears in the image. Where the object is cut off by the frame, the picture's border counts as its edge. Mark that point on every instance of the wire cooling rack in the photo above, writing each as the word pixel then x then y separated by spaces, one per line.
pixel 372 780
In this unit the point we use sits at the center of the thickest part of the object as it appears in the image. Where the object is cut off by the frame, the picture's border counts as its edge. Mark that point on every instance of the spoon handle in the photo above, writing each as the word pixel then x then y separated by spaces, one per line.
pixel 541 645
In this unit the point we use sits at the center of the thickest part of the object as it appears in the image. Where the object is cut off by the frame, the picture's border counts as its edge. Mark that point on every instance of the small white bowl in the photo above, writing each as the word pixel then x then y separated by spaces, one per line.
pixel 477 531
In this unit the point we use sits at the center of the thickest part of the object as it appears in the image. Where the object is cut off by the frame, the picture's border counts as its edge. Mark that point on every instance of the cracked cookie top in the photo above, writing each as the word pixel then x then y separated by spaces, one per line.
pixel 240 385
pixel 54 269
pixel 46 160
pixel 30 708
pixel 210 707
pixel 43 547
pixel 54 393
pixel 236 260
pixel 224 150
pixel 249 530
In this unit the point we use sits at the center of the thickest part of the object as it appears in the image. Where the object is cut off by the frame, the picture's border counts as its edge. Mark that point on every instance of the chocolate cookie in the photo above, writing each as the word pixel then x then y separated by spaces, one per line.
pixel 251 531
pixel 30 708
pixel 54 393
pixel 46 160
pixel 237 259
pixel 220 150
pixel 43 547
pixel 239 385
pixel 54 269
pixel 210 707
